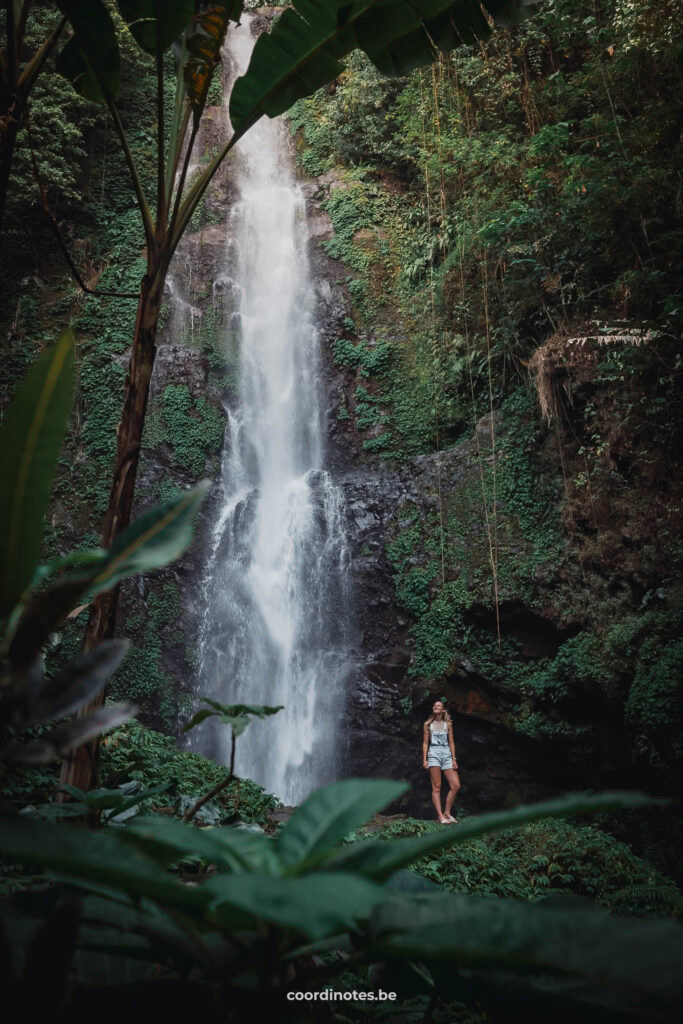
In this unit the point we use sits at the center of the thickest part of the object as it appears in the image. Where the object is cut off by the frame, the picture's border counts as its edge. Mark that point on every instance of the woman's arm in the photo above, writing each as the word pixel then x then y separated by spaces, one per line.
pixel 451 744
pixel 425 745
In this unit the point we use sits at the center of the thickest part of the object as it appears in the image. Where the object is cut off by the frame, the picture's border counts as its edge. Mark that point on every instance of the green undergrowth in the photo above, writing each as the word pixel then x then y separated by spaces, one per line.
pixel 556 858
pixel 454 549
pixel 135 752
pixel 153 626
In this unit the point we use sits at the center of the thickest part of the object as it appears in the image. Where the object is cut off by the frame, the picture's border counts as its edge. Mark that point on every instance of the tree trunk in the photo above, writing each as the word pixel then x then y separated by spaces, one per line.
pixel 80 766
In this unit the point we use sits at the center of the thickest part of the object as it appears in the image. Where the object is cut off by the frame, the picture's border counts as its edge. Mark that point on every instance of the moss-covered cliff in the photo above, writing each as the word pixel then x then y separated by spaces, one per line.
pixel 506 228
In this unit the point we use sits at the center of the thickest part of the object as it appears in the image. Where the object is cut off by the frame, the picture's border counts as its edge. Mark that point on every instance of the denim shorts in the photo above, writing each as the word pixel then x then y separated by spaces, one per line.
pixel 439 757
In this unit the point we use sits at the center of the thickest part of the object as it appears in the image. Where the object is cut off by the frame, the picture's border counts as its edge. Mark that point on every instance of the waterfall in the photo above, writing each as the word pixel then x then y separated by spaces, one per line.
pixel 274 587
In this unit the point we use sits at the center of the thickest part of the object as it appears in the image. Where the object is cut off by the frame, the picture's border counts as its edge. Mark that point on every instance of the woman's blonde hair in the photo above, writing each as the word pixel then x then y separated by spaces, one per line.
pixel 446 717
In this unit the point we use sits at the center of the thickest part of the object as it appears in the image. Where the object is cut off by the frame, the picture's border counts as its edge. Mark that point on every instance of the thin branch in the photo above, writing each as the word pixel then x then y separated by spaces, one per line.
pixel 147 222
pixel 12 56
pixel 137 184
pixel 181 183
pixel 176 148
pixel 191 201
pixel 189 815
pixel 161 178
pixel 181 117
pixel 32 69
pixel 21 28
pixel 60 241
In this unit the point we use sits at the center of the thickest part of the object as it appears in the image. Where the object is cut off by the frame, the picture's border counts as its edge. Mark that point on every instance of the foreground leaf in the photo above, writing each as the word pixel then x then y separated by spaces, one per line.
pixel 166 841
pixel 154 540
pixel 94 34
pixel 86 856
pixel 378 859
pixel 59 742
pixel 77 682
pixel 204 49
pixel 30 442
pixel 330 813
pixel 151 542
pixel 503 934
pixel 305 46
pixel 141 18
pixel 316 906
pixel 104 799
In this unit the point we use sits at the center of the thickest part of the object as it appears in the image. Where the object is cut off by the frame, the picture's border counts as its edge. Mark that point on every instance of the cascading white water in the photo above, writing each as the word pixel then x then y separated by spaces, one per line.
pixel 273 629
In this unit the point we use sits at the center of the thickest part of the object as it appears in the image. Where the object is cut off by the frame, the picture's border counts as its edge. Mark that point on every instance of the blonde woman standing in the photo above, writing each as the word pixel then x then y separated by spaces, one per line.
pixel 438 755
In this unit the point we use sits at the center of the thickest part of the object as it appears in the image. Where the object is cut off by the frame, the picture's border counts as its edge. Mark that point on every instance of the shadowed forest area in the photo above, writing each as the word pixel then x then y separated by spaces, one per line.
pixel 305 425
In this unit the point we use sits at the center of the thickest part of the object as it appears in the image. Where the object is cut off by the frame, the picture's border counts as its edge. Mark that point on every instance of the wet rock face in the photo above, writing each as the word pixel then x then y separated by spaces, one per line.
pixel 387 708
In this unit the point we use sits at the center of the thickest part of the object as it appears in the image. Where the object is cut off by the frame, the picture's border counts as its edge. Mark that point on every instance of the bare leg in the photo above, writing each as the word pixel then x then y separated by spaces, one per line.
pixel 453 781
pixel 435 775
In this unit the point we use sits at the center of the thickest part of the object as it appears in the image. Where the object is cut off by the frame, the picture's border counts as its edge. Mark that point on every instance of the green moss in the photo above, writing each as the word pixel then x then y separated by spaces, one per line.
pixel 163 606
pixel 368 361
pixel 194 428
pixel 554 856
pixel 140 678
pixel 168 489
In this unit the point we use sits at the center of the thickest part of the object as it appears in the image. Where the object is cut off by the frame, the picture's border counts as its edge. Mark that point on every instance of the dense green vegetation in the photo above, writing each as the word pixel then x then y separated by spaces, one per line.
pixel 510 224
pixel 507 226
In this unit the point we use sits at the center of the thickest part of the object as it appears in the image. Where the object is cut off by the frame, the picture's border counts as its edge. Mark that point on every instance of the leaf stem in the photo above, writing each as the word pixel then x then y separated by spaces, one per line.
pixel 218 788
pixel 161 176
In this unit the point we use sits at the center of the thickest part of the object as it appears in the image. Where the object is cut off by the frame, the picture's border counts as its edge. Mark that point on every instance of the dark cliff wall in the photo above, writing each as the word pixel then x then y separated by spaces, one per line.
pixel 504 410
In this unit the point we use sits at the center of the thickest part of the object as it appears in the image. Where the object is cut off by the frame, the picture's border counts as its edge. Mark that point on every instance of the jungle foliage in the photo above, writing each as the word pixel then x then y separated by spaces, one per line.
pixel 275 915
pixel 515 192
pixel 510 226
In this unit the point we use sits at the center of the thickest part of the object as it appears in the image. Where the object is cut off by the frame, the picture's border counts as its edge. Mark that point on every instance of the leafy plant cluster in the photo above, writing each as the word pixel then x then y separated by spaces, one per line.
pixel 269 916
pixel 193 427
pixel 499 189
pixel 136 752
pixel 543 858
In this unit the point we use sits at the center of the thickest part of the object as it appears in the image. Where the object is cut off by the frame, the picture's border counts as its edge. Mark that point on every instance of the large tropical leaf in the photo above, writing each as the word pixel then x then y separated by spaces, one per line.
pixel 237 716
pixel 167 840
pixel 92 858
pixel 204 48
pixel 94 34
pixel 75 733
pixel 316 906
pixel 325 817
pixel 155 539
pixel 151 542
pixel 30 441
pixel 306 45
pixel 76 683
pixel 503 934
pixel 141 18
pixel 68 561
pixel 378 859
